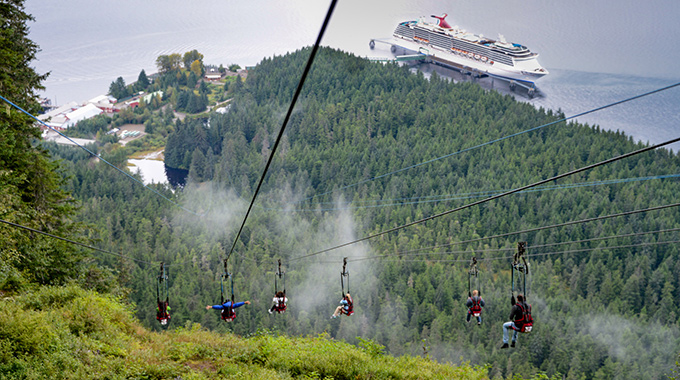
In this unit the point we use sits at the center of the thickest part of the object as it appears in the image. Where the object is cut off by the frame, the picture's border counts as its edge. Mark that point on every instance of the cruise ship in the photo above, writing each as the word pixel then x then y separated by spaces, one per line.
pixel 459 49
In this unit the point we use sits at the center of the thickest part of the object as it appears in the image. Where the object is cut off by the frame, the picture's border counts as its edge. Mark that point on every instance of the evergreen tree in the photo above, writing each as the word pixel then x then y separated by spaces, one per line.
pixel 118 89
pixel 142 81
pixel 30 190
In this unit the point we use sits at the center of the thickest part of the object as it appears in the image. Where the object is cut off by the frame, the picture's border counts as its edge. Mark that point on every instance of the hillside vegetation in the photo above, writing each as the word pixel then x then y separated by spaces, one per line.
pixel 604 308
pixel 69 333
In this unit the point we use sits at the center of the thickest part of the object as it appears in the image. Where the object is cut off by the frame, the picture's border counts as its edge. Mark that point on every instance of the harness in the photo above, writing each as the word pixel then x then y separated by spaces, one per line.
pixel 280 306
pixel 476 308
pixel 473 276
pixel 520 272
pixel 227 314
pixel 162 311
pixel 162 314
pixel 349 308
pixel 526 323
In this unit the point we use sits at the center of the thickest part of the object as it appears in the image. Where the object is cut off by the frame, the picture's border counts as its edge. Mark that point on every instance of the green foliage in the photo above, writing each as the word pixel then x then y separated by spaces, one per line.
pixel 67 332
pixel 118 89
pixel 89 128
pixel 370 347
pixel 57 332
pixel 601 310
pixel 190 57
pixel 30 193
pixel 168 63
pixel 190 102
pixel 142 81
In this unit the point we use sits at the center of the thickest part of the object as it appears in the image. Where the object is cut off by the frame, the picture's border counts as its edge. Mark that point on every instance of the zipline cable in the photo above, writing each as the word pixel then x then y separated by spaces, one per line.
pixel 537 254
pixel 401 253
pixel 559 176
pixel 596 248
pixel 605 238
pixel 479 194
pixel 547 227
pixel 73 241
pixel 315 48
pixel 476 252
pixel 97 156
pixel 90 246
pixel 496 140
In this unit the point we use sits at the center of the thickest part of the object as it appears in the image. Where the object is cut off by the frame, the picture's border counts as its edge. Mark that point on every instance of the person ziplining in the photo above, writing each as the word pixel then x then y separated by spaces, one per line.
pixel 228 313
pixel 346 303
pixel 475 302
pixel 162 306
pixel 280 301
pixel 521 320
pixel 227 306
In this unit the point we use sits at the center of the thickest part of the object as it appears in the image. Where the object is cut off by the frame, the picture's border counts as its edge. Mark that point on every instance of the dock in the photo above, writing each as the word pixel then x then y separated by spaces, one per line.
pixel 424 56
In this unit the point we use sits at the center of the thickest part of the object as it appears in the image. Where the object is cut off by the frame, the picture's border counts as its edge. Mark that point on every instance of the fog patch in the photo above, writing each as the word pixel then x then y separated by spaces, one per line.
pixel 321 284
pixel 626 338
pixel 217 211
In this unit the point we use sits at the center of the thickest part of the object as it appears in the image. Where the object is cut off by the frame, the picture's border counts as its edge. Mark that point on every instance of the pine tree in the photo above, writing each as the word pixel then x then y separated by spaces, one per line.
pixel 30 192
pixel 142 81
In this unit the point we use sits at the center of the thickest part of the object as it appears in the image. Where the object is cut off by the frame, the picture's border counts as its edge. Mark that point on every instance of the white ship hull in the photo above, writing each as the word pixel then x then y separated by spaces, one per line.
pixel 464 51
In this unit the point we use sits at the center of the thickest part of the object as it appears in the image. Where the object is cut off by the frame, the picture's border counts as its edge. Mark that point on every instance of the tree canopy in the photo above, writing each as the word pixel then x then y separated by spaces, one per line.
pixel 30 182
pixel 357 120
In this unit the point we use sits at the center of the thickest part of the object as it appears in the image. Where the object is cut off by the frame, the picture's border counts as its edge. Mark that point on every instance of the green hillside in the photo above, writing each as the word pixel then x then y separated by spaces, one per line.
pixel 604 308
pixel 69 333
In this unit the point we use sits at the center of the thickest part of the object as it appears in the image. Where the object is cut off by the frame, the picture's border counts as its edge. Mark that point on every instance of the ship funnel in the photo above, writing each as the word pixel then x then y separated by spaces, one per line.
pixel 441 22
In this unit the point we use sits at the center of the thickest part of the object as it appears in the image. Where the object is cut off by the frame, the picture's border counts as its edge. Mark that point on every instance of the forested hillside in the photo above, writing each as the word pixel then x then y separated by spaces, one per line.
pixel 51 327
pixel 30 184
pixel 603 308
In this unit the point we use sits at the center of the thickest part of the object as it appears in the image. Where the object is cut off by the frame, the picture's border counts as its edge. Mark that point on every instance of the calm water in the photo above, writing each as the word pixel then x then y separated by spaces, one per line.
pixel 152 171
pixel 595 55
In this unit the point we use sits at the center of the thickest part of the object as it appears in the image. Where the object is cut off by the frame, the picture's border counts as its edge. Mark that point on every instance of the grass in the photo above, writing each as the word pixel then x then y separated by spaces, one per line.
pixel 68 332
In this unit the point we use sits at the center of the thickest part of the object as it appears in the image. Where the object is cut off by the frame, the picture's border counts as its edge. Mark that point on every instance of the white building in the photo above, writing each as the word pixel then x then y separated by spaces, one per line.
pixel 147 98
pixel 212 74
pixel 57 117
pixel 103 102
pixel 82 113
pixel 69 114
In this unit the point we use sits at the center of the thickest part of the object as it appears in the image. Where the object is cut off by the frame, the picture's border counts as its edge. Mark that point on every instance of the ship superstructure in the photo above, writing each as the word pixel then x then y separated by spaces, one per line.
pixel 455 47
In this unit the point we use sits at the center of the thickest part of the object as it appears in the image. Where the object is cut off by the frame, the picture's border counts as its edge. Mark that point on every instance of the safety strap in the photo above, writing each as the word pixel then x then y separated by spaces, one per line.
pixel 162 285
pixel 279 275
pixel 473 272
pixel 520 265
pixel 230 278
pixel 344 274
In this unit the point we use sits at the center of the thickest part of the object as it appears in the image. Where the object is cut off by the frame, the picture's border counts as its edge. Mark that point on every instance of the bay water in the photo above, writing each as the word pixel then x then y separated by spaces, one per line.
pixel 597 52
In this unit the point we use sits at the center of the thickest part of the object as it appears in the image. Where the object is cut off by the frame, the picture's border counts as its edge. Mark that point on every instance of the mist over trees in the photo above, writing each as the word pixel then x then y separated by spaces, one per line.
pixel 603 309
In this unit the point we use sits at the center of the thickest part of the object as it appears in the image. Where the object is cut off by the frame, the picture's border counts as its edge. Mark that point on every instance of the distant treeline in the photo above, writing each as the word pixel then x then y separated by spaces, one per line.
pixel 600 311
